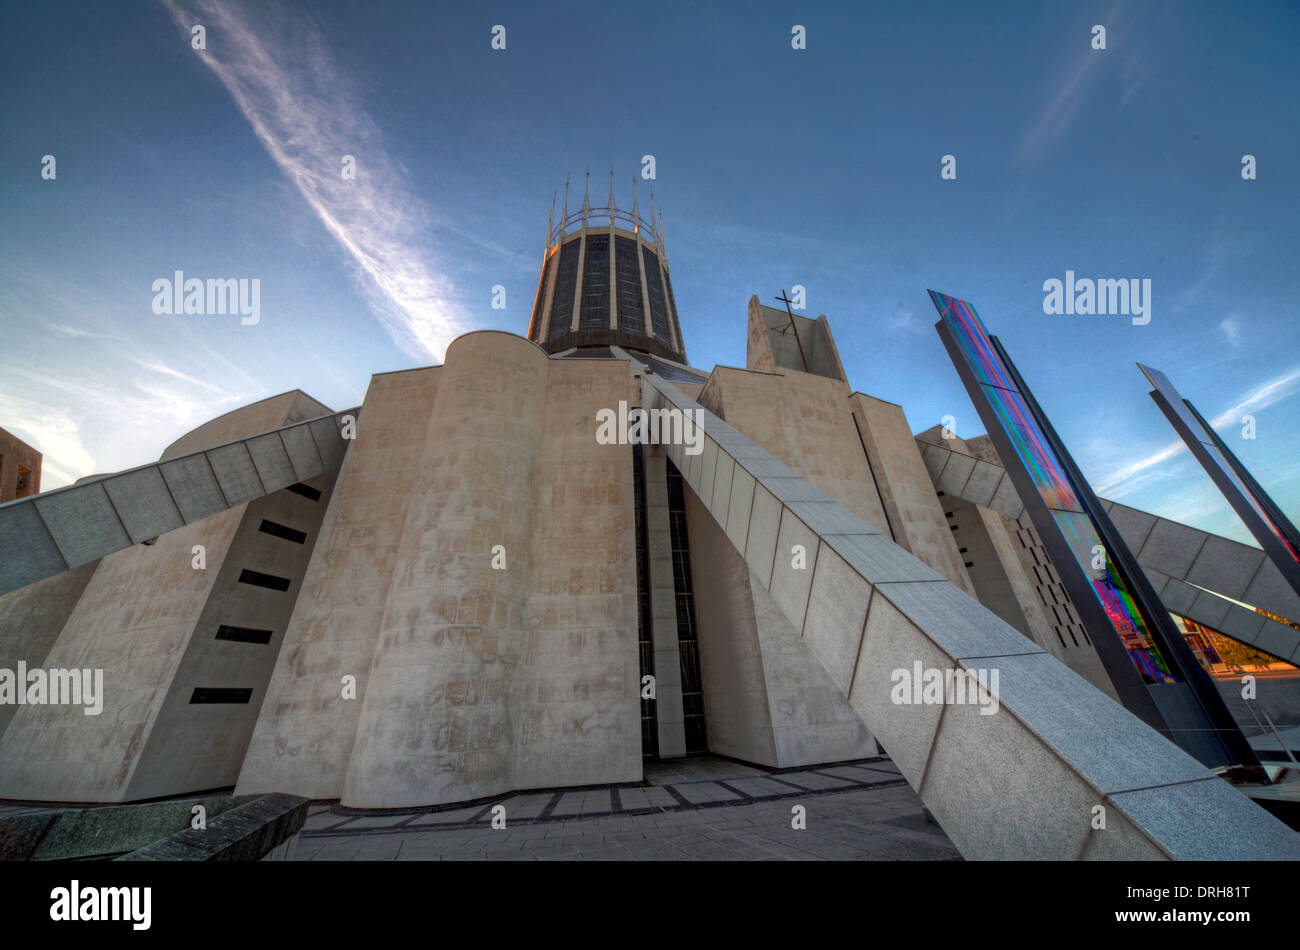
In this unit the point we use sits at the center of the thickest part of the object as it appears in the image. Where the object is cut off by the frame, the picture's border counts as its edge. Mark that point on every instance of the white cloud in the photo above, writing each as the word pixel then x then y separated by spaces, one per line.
pixel 1125 479
pixel 1078 79
pixel 307 114
pixel 103 425
pixel 1261 397
pixel 76 332
pixel 1231 330
pixel 53 433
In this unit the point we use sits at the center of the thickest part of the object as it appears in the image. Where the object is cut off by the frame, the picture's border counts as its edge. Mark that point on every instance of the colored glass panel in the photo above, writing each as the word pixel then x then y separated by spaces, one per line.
pixel 1054 486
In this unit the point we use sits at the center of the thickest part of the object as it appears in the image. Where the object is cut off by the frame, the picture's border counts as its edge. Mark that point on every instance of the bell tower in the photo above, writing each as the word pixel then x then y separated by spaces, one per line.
pixel 605 281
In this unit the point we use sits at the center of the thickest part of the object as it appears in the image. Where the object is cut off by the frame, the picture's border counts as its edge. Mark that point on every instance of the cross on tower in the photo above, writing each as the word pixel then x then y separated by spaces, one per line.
pixel 793 328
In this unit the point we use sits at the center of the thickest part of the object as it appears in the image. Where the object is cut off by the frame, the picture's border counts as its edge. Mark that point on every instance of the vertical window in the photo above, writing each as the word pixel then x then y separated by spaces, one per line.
pixel 595 284
pixel 630 316
pixel 688 644
pixel 654 287
pixel 566 280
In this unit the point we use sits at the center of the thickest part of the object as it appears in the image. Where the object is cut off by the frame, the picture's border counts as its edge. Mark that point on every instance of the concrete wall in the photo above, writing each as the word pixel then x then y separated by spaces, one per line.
pixel 1016 582
pixel 758 343
pixel 270 413
pixel 804 421
pixel 134 620
pixel 436 720
pixel 915 517
pixel 305 730
pixel 767 699
pixel 736 711
pixel 199 746
pixel 473 681
pixel 578 707
pixel 31 619
pixel 773 345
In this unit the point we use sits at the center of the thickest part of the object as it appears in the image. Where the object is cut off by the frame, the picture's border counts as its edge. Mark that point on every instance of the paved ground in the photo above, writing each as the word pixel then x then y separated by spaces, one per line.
pixel 702 808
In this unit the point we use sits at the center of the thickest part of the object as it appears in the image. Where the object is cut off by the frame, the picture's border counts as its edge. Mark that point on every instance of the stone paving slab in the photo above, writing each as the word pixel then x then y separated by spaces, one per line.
pixel 699 792
pixel 855 811
pixel 812 782
pixel 760 787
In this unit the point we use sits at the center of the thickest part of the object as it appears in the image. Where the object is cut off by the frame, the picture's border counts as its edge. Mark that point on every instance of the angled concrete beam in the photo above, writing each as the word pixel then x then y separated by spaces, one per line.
pixel 1020 783
pixel 971 479
pixel 45 534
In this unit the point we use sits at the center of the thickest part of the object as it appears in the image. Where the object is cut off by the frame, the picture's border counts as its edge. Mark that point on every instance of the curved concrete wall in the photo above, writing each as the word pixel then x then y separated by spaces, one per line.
pixel 270 413
pixel 471 681
pixel 436 723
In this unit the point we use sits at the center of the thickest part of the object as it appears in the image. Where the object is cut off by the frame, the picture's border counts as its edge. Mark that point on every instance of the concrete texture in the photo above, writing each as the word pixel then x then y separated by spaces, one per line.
pixel 475 681
pixel 31 619
pixel 767 699
pixel 773 346
pixel 246 832
pixel 305 731
pixel 137 619
pixel 915 516
pixel 804 421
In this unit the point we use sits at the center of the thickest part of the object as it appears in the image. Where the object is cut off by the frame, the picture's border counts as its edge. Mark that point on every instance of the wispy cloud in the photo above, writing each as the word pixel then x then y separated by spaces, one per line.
pixel 307 114
pixel 1129 478
pixel 76 332
pixel 1231 330
pixel 101 424
pixel 1261 397
pixel 52 432
pixel 1083 72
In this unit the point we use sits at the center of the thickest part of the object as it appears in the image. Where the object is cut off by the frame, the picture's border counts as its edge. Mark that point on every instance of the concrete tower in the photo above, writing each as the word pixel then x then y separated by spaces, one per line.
pixel 605 282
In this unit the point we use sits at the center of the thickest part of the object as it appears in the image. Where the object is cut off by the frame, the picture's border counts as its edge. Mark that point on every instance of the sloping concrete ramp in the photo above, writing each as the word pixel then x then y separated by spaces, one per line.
pixel 46 534
pixel 1187 567
pixel 1023 782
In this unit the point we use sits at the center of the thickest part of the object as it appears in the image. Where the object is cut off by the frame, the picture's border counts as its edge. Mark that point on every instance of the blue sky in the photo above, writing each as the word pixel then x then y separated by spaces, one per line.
pixel 775 167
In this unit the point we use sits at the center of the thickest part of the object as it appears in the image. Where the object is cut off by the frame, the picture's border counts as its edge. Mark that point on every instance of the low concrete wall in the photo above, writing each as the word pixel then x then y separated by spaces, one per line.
pixel 247 832
pixel 86 833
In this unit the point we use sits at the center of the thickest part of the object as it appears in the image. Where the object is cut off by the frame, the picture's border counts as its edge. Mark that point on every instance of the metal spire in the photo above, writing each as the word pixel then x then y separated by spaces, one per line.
pixel 636 215
pixel 611 197
pixel 586 198
pixel 565 213
pixel 550 224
